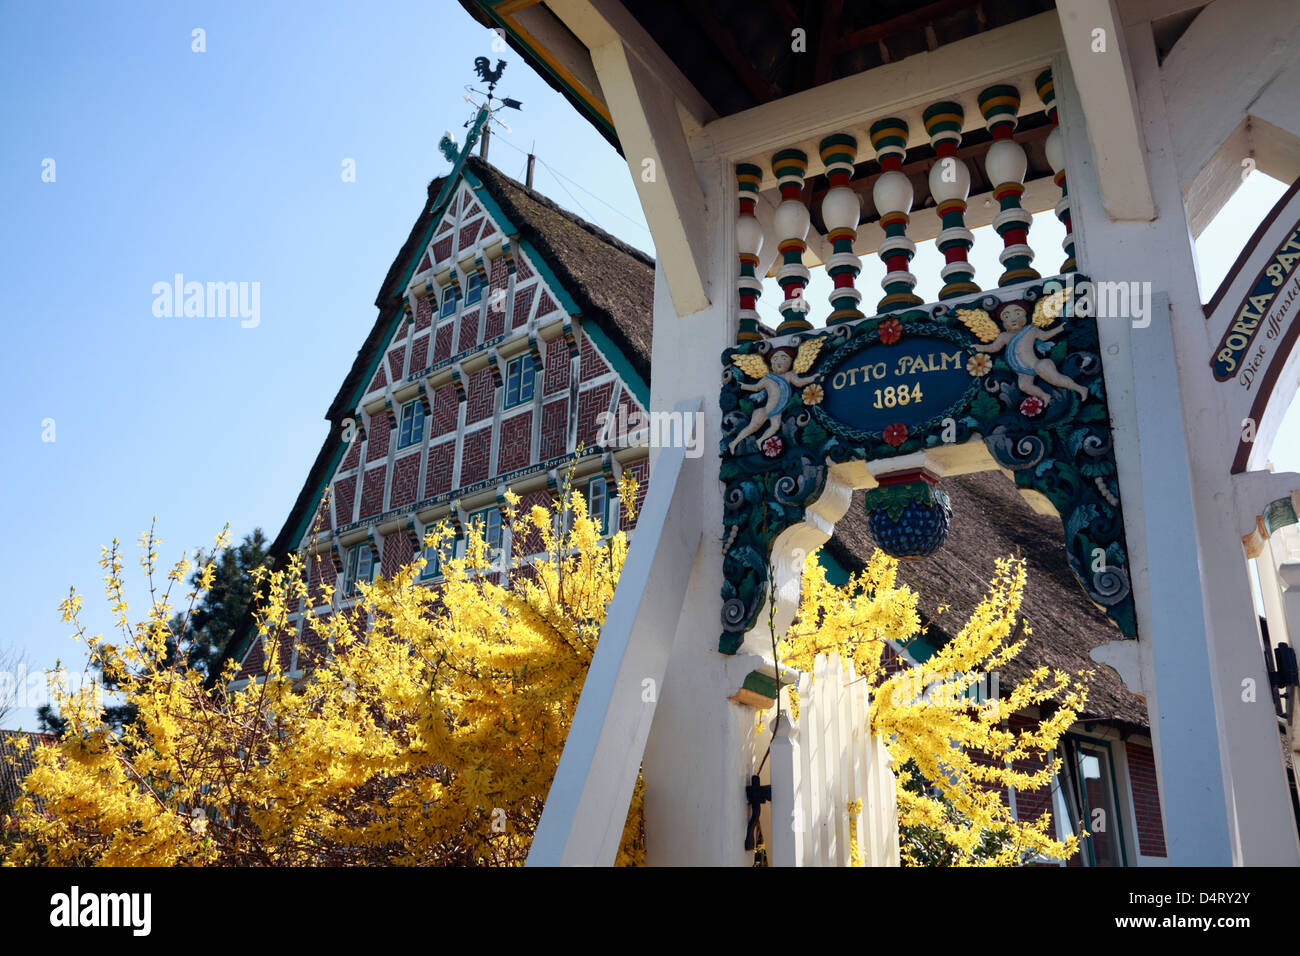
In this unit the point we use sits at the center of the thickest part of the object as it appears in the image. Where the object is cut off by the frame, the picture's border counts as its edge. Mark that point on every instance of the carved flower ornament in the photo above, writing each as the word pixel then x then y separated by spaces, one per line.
pixel 891 330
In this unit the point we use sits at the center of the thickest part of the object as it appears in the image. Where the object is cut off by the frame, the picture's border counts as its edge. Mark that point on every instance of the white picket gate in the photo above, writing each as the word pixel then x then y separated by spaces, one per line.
pixel 821 766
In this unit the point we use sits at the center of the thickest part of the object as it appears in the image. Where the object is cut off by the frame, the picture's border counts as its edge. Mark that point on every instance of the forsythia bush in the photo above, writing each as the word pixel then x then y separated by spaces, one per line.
pixel 429 736
pixel 964 752
pixel 430 730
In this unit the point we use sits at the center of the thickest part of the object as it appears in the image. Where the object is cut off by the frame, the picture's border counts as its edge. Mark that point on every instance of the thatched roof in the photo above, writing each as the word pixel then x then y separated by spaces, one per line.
pixel 612 282
pixel 992 520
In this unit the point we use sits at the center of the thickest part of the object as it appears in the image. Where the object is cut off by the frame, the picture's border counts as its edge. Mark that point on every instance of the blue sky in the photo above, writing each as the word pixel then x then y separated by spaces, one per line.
pixel 225 166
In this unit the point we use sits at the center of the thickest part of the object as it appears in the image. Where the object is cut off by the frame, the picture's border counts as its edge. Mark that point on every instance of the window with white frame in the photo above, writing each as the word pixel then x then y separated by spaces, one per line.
pixel 448 302
pixel 598 503
pixel 360 566
pixel 432 559
pixel 473 288
pixel 489 522
pixel 410 430
pixel 521 376
pixel 1098 800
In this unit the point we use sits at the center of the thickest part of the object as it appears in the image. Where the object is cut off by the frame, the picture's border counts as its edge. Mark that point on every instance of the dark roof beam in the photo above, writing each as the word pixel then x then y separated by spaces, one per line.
pixel 759 88
pixel 920 17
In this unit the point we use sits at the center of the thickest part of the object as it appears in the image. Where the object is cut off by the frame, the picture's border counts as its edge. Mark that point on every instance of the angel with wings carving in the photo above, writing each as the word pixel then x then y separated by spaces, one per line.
pixel 777 383
pixel 1018 336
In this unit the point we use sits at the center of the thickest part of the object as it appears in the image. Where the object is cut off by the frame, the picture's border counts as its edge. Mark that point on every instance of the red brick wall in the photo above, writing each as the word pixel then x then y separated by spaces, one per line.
pixel 480 396
pixel 445 407
pixel 344 489
pixel 437 473
pixel 423 313
pixel 555 427
pixel 523 302
pixel 498 278
pixel 406 475
pixel 590 404
pixel 522 269
pixel 419 353
pixel 640 470
pixel 372 492
pixel 496 323
pixel 591 362
pixel 442 342
pixel 1146 799
pixel 377 437
pixel 547 305
pixel 442 249
pixel 353 456
pixel 252 666
pixel 530 541
pixel 312 647
pixel 632 409
pixel 468 233
pixel 380 379
pixel 474 460
pixel 397 552
pixel 320 571
pixel 468 329
pixel 1031 804
pixel 516 442
pixel 557 366
pixel 396 356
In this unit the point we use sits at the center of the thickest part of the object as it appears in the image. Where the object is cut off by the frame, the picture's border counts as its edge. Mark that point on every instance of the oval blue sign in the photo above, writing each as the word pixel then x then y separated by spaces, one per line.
pixel 907 383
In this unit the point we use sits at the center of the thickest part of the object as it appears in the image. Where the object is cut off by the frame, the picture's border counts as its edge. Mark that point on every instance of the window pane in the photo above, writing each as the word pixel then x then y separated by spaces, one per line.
pixel 527 377
pixel 1102 817
pixel 404 429
pixel 473 288
pixel 512 384
pixel 596 499
pixel 417 429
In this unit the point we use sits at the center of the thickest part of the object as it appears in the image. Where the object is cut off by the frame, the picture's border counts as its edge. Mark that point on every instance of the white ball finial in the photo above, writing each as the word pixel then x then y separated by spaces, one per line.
pixel 892 192
pixel 1006 162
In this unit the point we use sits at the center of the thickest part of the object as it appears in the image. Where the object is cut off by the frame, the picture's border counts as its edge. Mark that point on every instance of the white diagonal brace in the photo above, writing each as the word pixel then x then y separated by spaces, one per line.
pixel 582 821
pixel 1098 52
pixel 654 143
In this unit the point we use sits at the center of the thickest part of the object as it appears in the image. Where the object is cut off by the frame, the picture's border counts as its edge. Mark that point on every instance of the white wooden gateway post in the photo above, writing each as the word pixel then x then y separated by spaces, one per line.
pixel 1150 150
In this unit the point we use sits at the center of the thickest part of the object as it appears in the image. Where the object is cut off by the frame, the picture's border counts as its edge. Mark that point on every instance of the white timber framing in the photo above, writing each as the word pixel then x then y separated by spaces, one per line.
pixel 1103 77
pixel 1228 128
pixel 1218 757
pixel 582 821
pixel 1222 783
pixel 649 101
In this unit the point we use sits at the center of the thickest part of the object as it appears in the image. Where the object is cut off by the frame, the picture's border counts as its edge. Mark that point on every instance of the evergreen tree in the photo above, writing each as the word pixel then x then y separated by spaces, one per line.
pixel 212 623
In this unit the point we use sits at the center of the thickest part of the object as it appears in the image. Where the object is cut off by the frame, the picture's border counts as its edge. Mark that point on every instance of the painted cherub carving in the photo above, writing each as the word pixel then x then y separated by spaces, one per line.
pixel 1018 337
pixel 777 382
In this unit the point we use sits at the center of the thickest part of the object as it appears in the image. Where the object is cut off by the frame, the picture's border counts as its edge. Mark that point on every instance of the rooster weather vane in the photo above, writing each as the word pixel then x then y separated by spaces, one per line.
pixel 485 111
